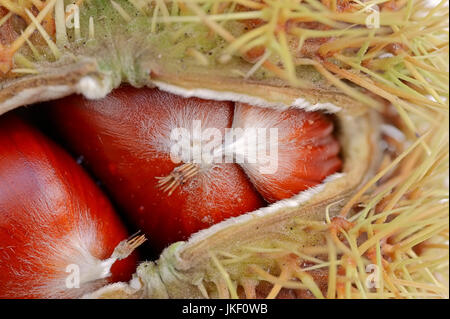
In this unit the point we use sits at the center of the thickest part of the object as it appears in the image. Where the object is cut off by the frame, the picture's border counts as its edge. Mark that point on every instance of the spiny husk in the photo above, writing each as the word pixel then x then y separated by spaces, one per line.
pixel 397 221
pixel 124 52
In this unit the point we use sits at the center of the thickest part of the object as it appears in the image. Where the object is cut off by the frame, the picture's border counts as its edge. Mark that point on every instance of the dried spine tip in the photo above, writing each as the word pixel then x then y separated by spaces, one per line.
pixel 24 71
pixel 138 4
pixel 177 177
pixel 5 19
pixel 198 56
pixel 44 34
pixel 7 53
pixel 60 23
pixel 126 247
pixel 121 11
pixel 91 28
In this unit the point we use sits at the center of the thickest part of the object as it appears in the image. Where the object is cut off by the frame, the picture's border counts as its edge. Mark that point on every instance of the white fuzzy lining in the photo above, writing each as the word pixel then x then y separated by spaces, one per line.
pixel 207 94
pixel 32 95
pixel 90 87
pixel 294 201
pixel 93 88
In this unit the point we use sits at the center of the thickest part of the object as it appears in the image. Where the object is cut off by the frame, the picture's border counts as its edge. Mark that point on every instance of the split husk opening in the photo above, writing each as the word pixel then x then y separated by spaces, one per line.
pixel 324 55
